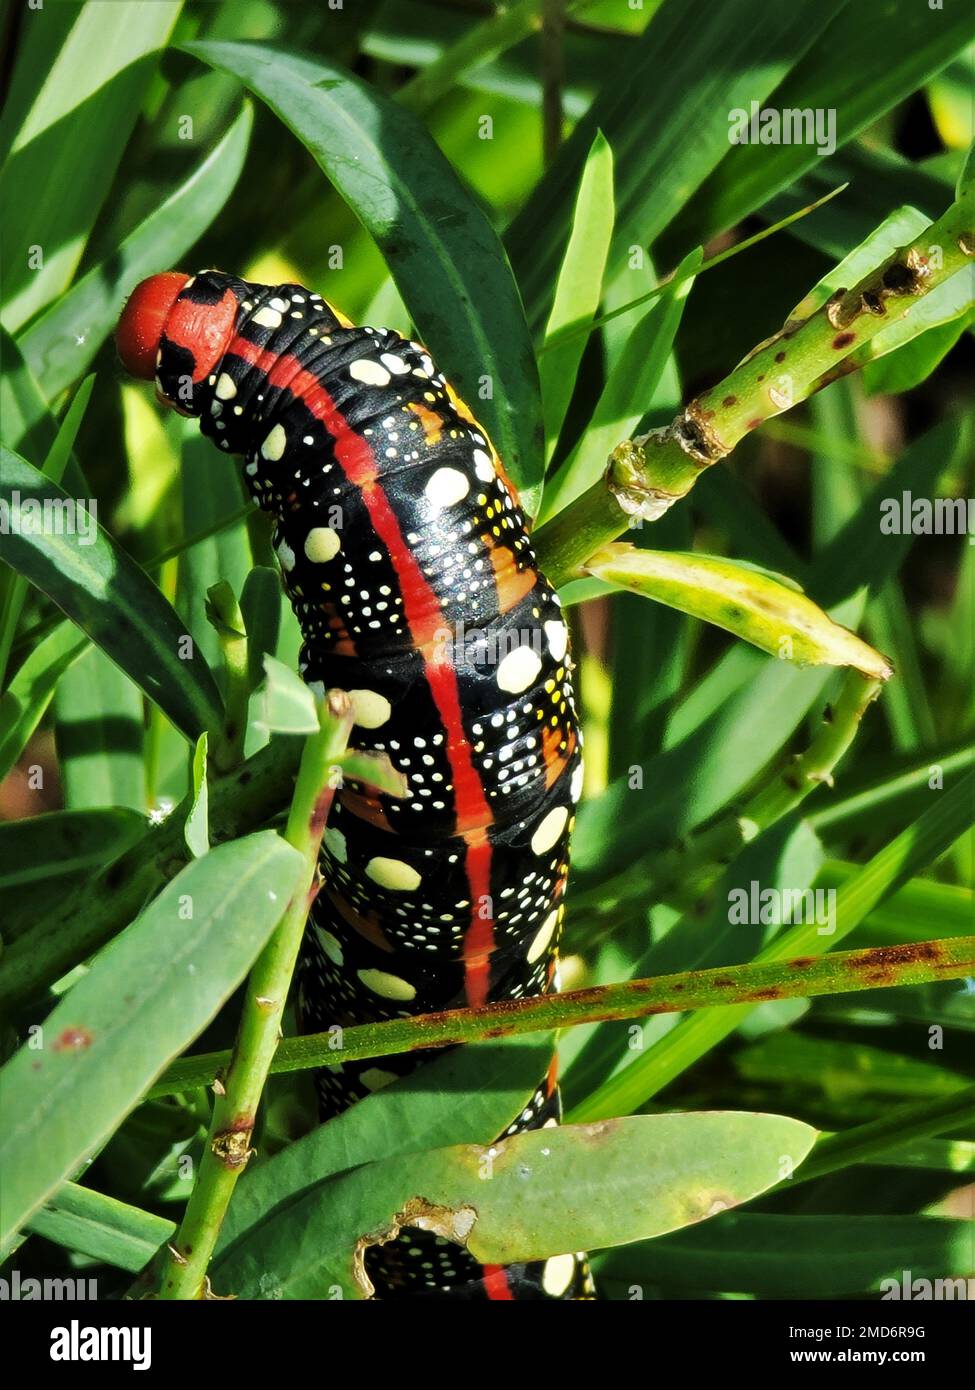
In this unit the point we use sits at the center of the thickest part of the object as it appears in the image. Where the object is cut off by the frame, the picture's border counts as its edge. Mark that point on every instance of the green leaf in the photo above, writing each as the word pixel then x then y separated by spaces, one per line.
pixel 101 1227
pixel 375 770
pixel 260 603
pixel 440 247
pixel 145 998
pixel 627 395
pixel 839 74
pixel 804 1257
pixel 100 735
pixel 578 289
pixel 42 854
pixel 665 114
pixel 921 338
pixel 69 144
pixel 467 1096
pixel 212 489
pixel 742 600
pixel 196 830
pixel 13 587
pixel 535 1195
pixel 110 598
pixel 23 703
pixel 926 839
pixel 286 704
pixel 60 344
pixel 729 726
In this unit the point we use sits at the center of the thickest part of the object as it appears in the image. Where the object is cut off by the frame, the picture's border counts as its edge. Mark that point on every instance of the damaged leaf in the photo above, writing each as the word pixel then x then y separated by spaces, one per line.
pixel 535 1195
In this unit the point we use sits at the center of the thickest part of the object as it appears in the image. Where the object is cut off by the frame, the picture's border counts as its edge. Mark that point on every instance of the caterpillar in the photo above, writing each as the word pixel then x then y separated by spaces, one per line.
pixel 406 557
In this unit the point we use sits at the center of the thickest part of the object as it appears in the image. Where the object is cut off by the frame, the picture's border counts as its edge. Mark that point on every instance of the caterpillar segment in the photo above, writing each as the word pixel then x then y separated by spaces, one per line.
pixel 407 559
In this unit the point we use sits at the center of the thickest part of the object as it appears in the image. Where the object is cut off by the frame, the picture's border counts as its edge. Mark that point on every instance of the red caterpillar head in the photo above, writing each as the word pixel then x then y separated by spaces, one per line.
pixel 193 315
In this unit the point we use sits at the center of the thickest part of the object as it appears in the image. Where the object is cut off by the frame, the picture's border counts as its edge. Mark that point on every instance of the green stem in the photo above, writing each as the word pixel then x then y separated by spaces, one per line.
pixel 228 1146
pixel 682 874
pixel 865 1143
pixel 647 475
pixel 667 1058
pixel 802 978
pixel 692 869
pixel 476 47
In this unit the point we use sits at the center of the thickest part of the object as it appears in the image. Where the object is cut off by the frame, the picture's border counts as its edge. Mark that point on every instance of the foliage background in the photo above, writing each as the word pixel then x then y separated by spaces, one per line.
pixel 125 154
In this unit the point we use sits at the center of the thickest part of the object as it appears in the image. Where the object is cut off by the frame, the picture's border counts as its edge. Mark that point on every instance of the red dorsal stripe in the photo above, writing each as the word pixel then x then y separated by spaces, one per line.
pixel 424 617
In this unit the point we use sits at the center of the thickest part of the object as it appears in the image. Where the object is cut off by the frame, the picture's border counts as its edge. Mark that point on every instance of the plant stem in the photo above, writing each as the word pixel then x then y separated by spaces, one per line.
pixel 238 1094
pixel 235 1109
pixel 553 76
pixel 864 1143
pixel 682 874
pixel 494 35
pixel 647 475
pixel 693 868
pixel 800 978
pixel 934 831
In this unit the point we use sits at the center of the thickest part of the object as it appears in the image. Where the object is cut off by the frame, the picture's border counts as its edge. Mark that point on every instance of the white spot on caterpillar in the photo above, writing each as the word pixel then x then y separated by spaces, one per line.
pixel 557 1275
pixel 322 544
pixel 267 317
pixel 387 986
pixel 540 944
pixel 369 708
pixel 557 636
pixel 286 557
pixel 275 444
pixel 395 364
pixel 518 669
pixel 447 486
pixel 549 830
pixel 225 390
pixel 369 372
pixel 278 303
pixel 575 783
pixel 483 466
pixel 393 874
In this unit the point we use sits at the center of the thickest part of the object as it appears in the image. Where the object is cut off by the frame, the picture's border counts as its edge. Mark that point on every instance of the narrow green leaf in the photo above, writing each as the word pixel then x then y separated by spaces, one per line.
pixel 627 395
pixel 101 1227
pixel 742 600
pixel 69 145
pixel 665 114
pixel 110 598
pixel 142 1002
pixel 196 828
pixel 100 730
pixel 60 344
pixel 803 1257
pixel 578 288
pixel 13 587
pixel 25 700
pixel 43 854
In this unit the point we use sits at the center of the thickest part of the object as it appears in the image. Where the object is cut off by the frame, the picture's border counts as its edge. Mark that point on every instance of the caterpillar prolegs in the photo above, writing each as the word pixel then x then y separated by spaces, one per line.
pixel 407 559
